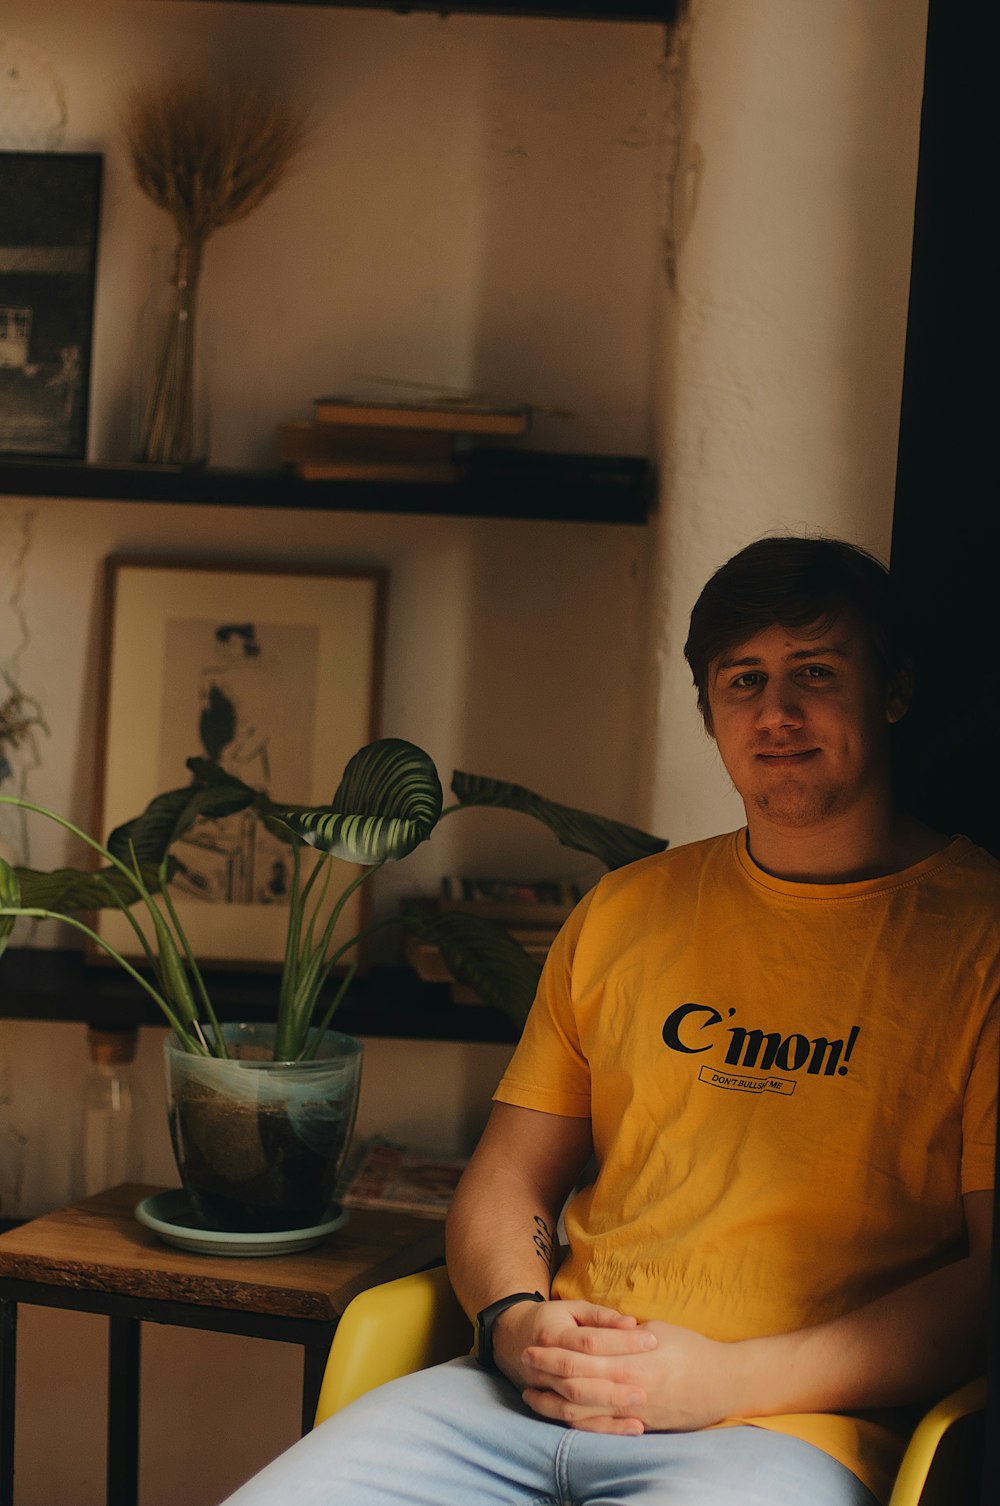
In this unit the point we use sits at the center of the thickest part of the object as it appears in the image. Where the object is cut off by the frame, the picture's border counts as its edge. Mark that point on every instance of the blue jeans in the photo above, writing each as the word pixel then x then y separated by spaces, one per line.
pixel 456 1436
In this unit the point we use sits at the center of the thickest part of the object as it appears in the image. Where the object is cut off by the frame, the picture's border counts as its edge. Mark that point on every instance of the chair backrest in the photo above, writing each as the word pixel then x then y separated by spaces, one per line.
pixel 942 1465
pixel 392 1330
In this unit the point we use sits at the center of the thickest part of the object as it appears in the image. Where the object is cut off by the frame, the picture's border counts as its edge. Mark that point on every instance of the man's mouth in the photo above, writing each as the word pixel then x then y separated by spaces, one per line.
pixel 787 755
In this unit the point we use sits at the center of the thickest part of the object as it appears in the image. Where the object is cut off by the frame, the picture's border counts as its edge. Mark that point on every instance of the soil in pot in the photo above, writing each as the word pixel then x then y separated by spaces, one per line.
pixel 247 1168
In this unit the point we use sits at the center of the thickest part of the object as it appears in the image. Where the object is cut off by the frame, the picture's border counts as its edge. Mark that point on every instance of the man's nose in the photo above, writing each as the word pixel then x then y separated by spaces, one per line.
pixel 778 706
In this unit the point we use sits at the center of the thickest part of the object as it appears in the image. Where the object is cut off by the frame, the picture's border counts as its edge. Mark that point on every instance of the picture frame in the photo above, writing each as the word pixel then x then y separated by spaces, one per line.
pixel 272 671
pixel 48 264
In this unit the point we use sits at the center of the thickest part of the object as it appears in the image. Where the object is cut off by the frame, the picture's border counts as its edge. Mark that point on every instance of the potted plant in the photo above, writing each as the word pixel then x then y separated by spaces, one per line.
pixel 260 1116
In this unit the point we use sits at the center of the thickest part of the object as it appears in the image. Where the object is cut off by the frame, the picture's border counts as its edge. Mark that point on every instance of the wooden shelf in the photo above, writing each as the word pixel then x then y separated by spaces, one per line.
pixel 37 984
pixel 498 484
pixel 661 11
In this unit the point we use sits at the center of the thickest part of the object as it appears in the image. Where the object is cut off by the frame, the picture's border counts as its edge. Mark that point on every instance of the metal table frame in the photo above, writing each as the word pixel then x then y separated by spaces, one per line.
pixel 93 1257
pixel 125 1318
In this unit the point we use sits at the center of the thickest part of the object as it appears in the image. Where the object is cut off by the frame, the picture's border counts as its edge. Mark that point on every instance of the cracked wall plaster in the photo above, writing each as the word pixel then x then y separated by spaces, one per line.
pixel 33 110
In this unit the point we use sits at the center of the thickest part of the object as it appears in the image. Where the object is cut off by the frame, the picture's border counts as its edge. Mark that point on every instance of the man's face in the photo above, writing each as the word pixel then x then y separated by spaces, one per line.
pixel 801 721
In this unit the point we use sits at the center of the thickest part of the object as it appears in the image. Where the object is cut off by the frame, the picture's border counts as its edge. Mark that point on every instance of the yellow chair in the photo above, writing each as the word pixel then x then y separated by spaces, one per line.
pixel 943 1459
pixel 392 1330
pixel 406 1325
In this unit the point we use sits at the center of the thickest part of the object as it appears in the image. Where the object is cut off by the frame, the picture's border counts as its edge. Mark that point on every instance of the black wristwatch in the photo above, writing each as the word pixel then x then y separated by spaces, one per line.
pixel 485 1320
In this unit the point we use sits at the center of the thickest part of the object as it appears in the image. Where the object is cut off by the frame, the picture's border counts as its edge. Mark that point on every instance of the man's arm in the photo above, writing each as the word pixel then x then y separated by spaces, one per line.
pixel 914 1344
pixel 501 1236
pixel 910 1345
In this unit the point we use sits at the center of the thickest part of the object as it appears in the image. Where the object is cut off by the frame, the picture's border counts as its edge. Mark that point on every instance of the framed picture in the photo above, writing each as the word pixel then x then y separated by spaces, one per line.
pixel 272 673
pixel 48 256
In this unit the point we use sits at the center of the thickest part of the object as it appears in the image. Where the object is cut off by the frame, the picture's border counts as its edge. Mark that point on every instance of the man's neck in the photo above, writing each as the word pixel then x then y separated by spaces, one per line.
pixel 841 851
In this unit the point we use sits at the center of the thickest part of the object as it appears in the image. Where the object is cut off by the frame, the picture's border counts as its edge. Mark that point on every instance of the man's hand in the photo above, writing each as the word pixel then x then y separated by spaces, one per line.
pixel 581 1329
pixel 668 1379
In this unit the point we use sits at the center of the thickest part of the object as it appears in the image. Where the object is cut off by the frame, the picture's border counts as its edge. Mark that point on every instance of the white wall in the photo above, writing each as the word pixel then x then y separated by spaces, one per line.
pixel 450 222
pixel 499 211
pixel 782 341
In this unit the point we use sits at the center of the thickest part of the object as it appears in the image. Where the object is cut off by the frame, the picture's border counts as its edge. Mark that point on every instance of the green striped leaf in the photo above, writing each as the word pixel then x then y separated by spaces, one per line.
pixel 10 898
pixel 170 815
pixel 388 802
pixel 482 955
pixel 67 890
pixel 612 841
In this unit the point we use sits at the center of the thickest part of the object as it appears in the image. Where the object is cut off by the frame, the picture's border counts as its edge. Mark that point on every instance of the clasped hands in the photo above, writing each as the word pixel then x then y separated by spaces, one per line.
pixel 598 1370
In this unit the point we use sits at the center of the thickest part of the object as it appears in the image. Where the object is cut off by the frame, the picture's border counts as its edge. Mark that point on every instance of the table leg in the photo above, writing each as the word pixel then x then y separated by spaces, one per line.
pixel 123 1411
pixel 314 1356
pixel 8 1357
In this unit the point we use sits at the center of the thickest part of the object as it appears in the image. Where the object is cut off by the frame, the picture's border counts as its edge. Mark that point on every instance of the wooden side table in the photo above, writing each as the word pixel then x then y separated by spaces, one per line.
pixel 94 1257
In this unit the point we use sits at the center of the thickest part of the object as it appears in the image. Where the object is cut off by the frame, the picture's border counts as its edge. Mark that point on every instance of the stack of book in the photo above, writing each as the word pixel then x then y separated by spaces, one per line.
pixel 532 911
pixel 355 439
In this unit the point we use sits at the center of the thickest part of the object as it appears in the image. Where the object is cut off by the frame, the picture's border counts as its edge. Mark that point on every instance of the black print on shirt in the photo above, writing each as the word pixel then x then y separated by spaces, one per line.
pixel 693 1029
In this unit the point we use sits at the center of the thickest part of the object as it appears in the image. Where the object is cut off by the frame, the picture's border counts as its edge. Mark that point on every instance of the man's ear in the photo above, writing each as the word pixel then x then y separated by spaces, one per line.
pixel 899 694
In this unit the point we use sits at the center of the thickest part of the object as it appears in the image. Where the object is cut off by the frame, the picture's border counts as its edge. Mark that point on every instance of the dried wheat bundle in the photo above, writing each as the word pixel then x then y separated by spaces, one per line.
pixel 208 152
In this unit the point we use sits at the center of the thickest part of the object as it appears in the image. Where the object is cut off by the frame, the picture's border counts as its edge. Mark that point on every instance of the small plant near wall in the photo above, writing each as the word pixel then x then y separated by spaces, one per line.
pixel 21 722
pixel 388 802
pixel 261 1116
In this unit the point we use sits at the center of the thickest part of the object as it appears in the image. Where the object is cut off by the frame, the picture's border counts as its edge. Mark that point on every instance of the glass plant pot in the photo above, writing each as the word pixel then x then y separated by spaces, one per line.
pixel 259 1144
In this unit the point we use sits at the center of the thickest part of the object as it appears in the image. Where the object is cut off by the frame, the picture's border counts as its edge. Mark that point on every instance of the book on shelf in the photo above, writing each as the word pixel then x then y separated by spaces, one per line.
pixel 526 902
pixel 385 1174
pixel 453 415
pixel 343 452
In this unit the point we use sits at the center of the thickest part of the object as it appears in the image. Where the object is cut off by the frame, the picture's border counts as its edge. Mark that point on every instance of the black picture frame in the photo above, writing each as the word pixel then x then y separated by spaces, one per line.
pixel 49 216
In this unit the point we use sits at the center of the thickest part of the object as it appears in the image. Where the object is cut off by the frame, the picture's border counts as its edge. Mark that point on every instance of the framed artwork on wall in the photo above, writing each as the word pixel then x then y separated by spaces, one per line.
pixel 273 673
pixel 48 258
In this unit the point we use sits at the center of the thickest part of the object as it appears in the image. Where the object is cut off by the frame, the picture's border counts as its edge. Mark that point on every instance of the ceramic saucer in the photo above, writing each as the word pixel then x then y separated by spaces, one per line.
pixel 170 1215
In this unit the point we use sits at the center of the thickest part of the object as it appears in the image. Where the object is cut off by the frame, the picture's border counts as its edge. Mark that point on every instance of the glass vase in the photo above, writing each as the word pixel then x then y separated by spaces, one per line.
pixel 172 428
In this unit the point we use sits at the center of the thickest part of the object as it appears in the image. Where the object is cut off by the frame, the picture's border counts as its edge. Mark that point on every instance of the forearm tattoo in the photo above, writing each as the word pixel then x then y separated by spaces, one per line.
pixel 544 1240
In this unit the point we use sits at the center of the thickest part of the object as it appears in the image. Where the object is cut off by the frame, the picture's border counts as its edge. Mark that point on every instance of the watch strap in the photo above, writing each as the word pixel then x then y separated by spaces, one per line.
pixel 487 1318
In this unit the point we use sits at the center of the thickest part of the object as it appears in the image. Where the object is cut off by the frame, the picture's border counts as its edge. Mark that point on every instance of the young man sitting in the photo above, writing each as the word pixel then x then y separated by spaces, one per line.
pixel 781 1047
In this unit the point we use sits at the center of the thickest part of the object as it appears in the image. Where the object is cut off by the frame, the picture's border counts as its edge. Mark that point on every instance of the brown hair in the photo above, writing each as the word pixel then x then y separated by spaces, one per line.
pixel 795 583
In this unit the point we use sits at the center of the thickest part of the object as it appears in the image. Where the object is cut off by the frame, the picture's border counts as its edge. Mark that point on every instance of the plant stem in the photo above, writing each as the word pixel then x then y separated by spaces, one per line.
pixel 173 978
pixel 308 1053
pixel 141 936
pixel 78 925
pixel 312 969
pixel 289 971
pixel 222 1049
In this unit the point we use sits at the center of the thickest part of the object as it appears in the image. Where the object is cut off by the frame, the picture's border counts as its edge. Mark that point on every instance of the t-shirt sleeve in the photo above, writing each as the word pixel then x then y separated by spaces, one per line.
pixel 548 1070
pixel 979 1116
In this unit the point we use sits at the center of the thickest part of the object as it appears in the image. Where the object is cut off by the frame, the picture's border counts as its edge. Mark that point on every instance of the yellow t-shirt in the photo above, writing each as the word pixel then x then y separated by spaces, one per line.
pixel 790 1086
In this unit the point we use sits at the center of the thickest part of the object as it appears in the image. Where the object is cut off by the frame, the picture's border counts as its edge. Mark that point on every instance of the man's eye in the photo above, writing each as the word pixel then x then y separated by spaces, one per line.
pixel 747 681
pixel 816 672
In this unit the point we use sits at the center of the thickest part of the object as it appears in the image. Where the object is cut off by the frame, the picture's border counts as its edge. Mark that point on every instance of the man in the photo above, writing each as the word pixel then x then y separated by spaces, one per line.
pixel 781 1046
